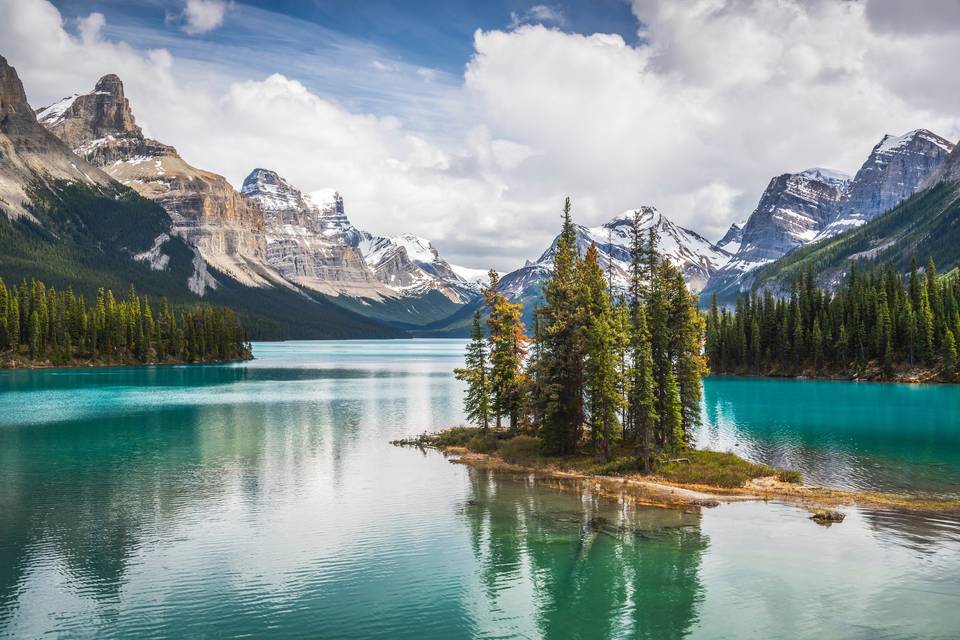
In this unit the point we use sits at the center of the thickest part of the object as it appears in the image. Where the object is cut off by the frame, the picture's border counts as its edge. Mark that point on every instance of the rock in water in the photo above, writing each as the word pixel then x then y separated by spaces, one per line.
pixel 827 516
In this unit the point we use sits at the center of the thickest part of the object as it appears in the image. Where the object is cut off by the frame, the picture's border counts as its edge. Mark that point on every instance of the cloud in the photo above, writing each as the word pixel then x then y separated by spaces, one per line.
pixel 383 66
pixel 201 16
pixel 537 14
pixel 720 96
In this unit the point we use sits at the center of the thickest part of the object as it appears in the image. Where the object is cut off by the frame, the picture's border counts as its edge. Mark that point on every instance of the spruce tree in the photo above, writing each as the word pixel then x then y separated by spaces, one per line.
pixel 602 384
pixel 949 356
pixel 563 350
pixel 475 373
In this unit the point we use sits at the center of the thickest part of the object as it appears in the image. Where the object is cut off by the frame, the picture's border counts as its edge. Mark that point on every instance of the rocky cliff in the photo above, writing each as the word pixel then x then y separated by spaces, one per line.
pixel 894 171
pixel 793 209
pixel 312 245
pixel 311 241
pixel 226 229
pixel 29 153
pixel 811 206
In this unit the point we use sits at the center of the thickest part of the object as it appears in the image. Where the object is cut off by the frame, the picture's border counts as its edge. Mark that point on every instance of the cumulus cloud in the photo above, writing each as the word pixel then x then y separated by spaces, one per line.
pixel 718 97
pixel 201 16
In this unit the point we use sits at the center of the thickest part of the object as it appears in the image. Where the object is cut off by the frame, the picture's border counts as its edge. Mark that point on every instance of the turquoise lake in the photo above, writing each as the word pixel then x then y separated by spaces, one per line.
pixel 263 499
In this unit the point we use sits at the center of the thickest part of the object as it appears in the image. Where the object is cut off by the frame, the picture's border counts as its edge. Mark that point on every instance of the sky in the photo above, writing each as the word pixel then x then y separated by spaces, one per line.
pixel 468 122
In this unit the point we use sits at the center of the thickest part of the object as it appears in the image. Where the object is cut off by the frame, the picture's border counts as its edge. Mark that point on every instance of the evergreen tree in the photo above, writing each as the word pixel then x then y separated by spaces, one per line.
pixel 475 373
pixel 563 349
pixel 602 382
pixel 949 356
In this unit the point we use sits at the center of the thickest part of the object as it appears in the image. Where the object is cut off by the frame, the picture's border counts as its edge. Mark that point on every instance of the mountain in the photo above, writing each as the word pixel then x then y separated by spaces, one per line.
pixel 895 170
pixel 696 257
pixel 310 241
pixel 793 209
pixel 733 238
pixel 224 227
pixel 30 154
pixel 312 246
pixel 800 208
pixel 70 224
pixel 925 225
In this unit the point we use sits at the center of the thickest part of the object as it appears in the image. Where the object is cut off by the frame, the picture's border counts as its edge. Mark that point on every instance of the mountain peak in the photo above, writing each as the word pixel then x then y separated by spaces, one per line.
pixel 264 180
pixel 890 144
pixel 110 84
pixel 80 119
pixel 13 99
pixel 830 176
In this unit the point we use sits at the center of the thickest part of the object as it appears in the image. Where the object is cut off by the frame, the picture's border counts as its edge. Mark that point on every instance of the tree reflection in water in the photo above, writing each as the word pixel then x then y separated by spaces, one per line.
pixel 583 568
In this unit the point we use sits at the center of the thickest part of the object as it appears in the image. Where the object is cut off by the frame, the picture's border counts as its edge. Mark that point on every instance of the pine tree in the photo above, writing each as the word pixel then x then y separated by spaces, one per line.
pixel 475 373
pixel 949 356
pixel 563 349
pixel 602 384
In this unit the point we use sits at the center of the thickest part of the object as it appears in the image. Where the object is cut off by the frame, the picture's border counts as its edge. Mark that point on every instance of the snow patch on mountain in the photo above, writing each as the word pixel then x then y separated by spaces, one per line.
pixel 693 254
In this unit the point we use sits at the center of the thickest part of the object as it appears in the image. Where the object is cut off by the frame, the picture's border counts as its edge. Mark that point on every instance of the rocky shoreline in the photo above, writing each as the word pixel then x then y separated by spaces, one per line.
pixel 823 503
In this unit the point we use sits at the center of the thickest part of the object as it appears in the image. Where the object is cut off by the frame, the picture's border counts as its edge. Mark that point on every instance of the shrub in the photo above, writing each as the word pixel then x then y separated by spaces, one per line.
pixel 619 466
pixel 482 443
pixel 789 475
pixel 520 449
pixel 713 468
pixel 455 436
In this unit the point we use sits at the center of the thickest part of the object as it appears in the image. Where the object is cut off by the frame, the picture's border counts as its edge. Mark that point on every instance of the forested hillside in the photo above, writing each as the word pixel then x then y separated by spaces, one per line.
pixel 927 224
pixel 87 238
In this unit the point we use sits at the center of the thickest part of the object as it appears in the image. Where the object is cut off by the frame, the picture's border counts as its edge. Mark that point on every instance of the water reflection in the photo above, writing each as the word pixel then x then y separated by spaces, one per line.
pixel 602 569
pixel 264 500
pixel 888 437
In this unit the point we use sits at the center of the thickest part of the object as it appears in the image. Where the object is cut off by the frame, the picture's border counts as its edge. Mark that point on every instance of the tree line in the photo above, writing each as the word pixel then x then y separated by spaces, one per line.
pixel 876 322
pixel 39 323
pixel 602 368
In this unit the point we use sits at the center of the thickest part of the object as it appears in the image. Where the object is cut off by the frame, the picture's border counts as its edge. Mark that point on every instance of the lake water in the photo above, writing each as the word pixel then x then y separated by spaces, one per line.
pixel 263 500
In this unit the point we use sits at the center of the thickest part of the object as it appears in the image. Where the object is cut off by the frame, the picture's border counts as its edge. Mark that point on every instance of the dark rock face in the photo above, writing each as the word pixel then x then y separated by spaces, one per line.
pixel 895 170
pixel 733 238
pixel 793 209
pixel 949 171
pixel 800 208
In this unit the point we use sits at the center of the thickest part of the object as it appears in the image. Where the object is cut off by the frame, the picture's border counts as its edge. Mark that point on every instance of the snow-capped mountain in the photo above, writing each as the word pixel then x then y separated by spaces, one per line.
pixel 732 239
pixel 311 242
pixel 800 208
pixel 28 151
pixel 893 172
pixel 793 209
pixel 225 229
pixel 696 256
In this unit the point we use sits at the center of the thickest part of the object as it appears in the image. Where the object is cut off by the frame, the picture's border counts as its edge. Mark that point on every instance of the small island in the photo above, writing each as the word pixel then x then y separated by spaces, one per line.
pixel 43 327
pixel 609 388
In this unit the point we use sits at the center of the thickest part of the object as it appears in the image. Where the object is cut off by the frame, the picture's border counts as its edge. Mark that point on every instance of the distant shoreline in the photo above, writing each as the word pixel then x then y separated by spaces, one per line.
pixel 20 365
pixel 927 377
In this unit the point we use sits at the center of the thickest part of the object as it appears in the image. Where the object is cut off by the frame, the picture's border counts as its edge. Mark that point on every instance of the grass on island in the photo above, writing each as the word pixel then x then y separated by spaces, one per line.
pixel 695 469
pixel 710 468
